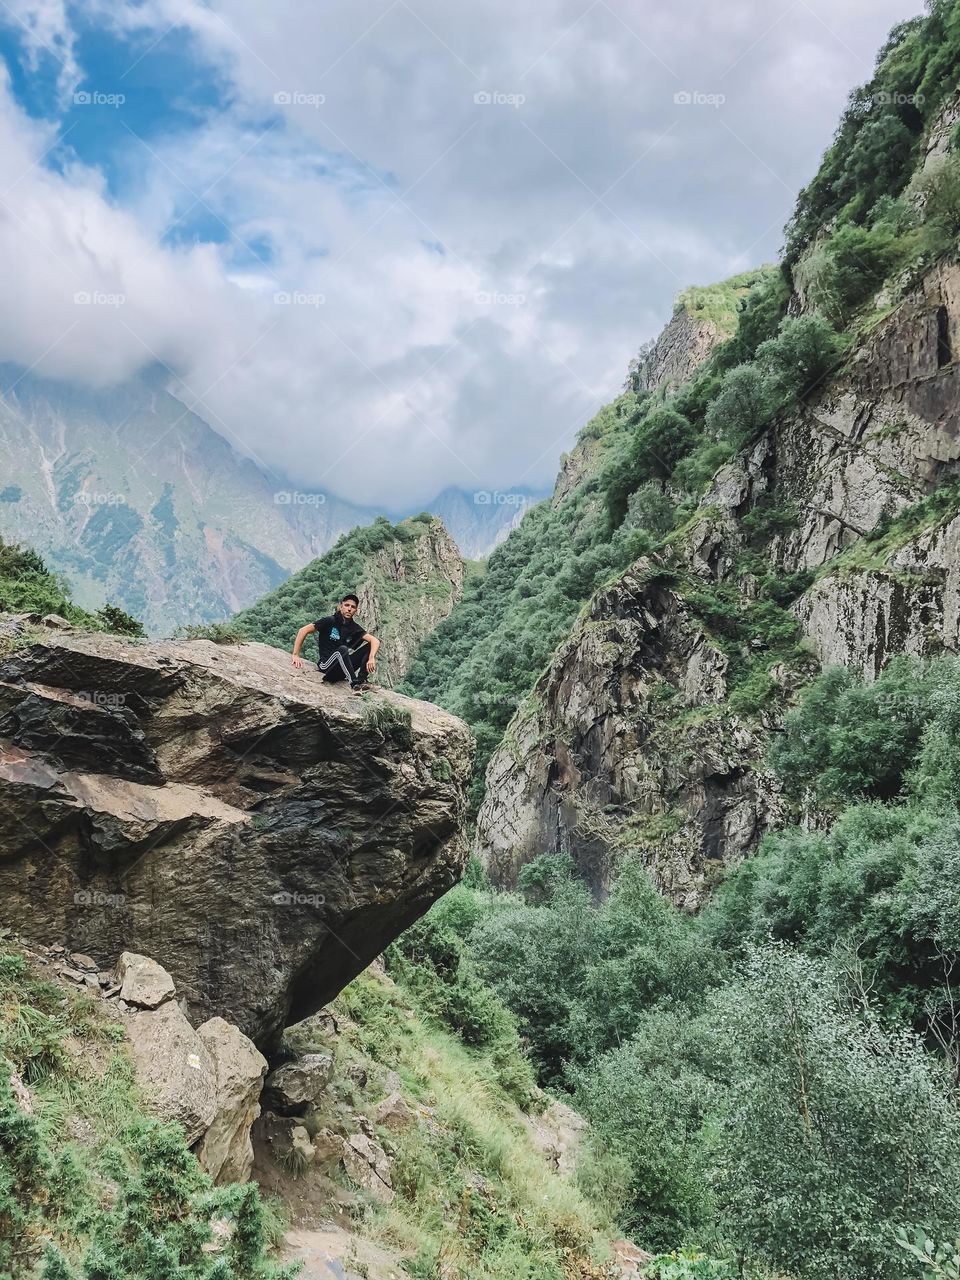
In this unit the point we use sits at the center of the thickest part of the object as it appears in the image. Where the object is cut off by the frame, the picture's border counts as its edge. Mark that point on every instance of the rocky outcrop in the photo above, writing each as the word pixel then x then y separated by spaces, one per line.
pixel 412 585
pixel 677 353
pixel 226 1151
pixel 626 741
pixel 596 766
pixel 261 835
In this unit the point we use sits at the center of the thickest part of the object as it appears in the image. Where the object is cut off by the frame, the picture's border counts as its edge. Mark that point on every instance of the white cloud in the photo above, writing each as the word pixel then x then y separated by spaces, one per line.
pixel 466 279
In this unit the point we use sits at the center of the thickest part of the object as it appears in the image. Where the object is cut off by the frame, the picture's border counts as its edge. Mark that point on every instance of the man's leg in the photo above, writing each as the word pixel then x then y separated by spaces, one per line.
pixel 358 663
pixel 336 666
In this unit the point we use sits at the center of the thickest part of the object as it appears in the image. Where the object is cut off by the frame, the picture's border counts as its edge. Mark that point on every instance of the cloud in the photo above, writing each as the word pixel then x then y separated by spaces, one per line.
pixel 416 243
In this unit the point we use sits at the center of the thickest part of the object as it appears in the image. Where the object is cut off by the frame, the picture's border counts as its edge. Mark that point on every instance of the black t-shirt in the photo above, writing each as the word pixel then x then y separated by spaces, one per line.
pixel 337 630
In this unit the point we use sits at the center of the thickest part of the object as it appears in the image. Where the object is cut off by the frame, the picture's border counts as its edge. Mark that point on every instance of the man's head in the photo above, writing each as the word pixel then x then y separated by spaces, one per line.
pixel 349 605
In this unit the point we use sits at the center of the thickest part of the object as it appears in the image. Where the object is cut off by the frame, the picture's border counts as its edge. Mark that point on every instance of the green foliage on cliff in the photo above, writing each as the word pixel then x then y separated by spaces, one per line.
pixel 89 1185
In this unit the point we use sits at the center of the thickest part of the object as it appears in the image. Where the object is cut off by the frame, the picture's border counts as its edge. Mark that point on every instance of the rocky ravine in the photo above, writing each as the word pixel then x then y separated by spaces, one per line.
pixel 259 834
pixel 625 742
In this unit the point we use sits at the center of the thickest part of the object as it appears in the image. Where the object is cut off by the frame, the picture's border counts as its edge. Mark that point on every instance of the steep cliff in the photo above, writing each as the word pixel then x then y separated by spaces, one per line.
pixel 644 732
pixel 260 834
pixel 408 577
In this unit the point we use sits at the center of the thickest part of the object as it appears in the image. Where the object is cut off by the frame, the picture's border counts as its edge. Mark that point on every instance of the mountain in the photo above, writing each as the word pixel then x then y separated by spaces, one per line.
pixel 138 501
pixel 479 520
pixel 408 577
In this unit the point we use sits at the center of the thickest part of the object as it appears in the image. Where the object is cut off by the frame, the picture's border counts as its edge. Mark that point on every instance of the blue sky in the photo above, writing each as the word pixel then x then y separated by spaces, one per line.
pixel 389 245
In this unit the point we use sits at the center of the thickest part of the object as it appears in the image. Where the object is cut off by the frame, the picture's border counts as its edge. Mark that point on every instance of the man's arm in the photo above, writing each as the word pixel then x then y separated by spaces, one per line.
pixel 297 644
pixel 374 644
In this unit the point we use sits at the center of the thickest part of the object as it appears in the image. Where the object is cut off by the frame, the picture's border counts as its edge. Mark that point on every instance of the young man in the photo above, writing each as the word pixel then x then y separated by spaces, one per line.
pixel 347 652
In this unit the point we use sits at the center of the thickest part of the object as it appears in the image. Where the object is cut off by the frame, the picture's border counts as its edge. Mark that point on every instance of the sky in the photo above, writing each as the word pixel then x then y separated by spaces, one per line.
pixel 384 246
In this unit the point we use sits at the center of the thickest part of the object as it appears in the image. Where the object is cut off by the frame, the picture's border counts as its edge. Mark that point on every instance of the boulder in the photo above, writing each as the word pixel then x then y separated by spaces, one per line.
pixel 143 983
pixel 225 1150
pixel 256 831
pixel 393 1113
pixel 174 1068
pixel 292 1088
pixel 367 1166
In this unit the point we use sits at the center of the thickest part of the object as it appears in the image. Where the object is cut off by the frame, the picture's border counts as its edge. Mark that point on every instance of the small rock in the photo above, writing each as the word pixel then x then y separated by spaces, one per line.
pixel 301 1145
pixel 366 1164
pixel 80 961
pixel 56 623
pixel 238 1070
pixel 74 975
pixel 290 1089
pixel 92 981
pixel 357 1074
pixel 328 1147
pixel 143 982
pixel 393 1113
pixel 222 1230
pixel 21 1093
pixel 104 978
pixel 174 1068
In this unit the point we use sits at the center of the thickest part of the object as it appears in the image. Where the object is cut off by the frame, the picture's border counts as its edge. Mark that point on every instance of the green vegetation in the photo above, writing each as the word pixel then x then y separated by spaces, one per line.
pixel 774 1081
pixel 475 1198
pixel 89 1186
pixel 218 632
pixel 316 590
pixel 28 586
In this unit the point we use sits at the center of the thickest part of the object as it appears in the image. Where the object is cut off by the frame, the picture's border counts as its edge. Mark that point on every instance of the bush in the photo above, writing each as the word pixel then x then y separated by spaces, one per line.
pixel 797 360
pixel 747 402
pixel 850 739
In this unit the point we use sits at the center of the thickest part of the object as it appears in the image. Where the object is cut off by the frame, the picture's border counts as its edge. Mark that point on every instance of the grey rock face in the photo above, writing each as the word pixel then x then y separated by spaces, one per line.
pixel 289 835
pixel 619 746
pixel 225 1150
pixel 143 982
pixel 292 1088
pixel 174 1068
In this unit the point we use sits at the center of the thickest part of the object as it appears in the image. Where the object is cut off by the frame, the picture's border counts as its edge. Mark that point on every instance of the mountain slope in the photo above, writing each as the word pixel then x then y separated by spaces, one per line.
pixel 137 499
pixel 408 577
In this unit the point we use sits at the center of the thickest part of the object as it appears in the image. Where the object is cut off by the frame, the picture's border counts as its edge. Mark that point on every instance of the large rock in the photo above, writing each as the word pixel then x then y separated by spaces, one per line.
pixel 290 833
pixel 174 1069
pixel 292 1088
pixel 226 1151
pixel 143 982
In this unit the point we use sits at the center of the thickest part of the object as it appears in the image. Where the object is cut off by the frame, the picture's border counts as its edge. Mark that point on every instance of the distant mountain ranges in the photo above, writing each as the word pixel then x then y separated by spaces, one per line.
pixel 137 500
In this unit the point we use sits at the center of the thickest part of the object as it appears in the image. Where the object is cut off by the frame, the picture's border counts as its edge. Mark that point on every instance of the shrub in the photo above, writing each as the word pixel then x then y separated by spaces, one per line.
pixel 746 402
pixel 797 360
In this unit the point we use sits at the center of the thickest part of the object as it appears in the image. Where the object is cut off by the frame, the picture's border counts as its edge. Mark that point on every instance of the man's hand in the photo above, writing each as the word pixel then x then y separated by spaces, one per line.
pixel 371 664
pixel 298 661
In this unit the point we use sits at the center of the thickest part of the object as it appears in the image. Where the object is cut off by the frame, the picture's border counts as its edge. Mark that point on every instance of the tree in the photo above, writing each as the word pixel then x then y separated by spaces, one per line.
pixel 747 401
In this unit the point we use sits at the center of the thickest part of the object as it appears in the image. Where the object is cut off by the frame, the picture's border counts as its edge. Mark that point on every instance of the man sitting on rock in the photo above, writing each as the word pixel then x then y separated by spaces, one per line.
pixel 347 652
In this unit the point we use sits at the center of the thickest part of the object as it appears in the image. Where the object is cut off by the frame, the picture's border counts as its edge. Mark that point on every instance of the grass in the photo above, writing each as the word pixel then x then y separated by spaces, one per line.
pixel 474 1196
pixel 719 303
